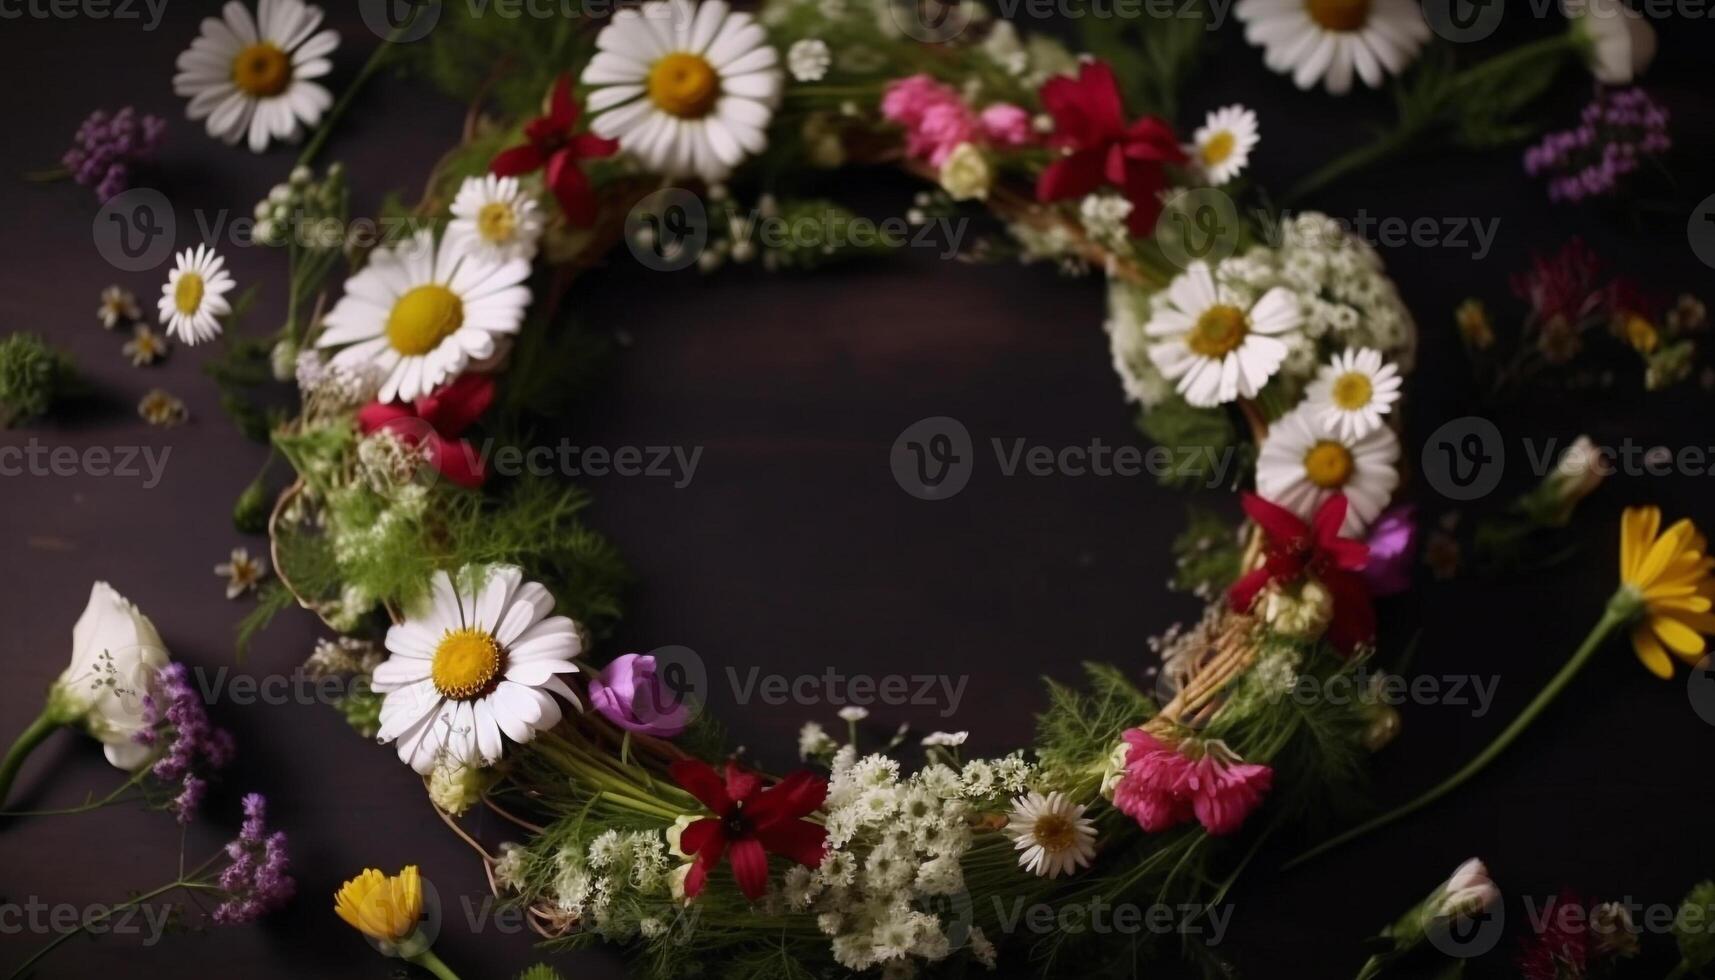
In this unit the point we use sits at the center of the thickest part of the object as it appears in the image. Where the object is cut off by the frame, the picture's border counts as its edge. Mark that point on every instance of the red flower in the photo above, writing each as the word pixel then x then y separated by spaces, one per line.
pixel 437 420
pixel 1099 148
pixel 749 823
pixel 1561 951
pixel 1295 549
pixel 1562 286
pixel 554 145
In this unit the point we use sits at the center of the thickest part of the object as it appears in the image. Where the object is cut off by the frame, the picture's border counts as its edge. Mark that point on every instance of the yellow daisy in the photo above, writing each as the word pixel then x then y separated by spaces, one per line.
pixel 1668 576
pixel 383 908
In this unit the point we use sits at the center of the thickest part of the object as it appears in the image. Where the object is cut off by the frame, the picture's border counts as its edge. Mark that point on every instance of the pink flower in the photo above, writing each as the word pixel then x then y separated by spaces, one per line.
pixel 629 692
pixel 1162 788
pixel 936 119
pixel 1393 551
pixel 1006 125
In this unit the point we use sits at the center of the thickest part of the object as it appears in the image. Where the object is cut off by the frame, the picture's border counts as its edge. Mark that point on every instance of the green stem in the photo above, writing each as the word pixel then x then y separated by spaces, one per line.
pixel 1622 607
pixel 429 961
pixel 33 736
pixel 91 920
pixel 47 176
pixel 90 806
pixel 368 70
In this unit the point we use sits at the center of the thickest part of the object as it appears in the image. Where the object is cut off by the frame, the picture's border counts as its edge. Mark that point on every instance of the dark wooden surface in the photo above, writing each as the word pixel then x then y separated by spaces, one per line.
pixel 794 551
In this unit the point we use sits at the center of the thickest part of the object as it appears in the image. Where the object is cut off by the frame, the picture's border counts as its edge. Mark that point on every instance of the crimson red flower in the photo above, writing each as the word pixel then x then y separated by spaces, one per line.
pixel 1099 148
pixel 1562 286
pixel 1295 549
pixel 437 420
pixel 555 148
pixel 749 823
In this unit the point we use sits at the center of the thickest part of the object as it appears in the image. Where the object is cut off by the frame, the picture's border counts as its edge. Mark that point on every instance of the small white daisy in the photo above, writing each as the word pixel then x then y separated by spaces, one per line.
pixel 422 314
pixel 1304 461
pixel 1223 145
pixel 194 295
pixel 1328 40
pixel 1213 344
pixel 687 89
pixel 808 59
pixel 241 572
pixel 1354 391
pixel 252 74
pixel 477 658
pixel 497 217
pixel 1053 833
pixel 118 306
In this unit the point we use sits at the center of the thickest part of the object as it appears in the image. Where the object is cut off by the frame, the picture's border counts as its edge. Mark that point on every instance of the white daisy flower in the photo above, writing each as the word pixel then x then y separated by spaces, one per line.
pixel 1213 344
pixel 497 217
pixel 1223 145
pixel 1354 391
pixel 194 295
pixel 1616 41
pixel 422 314
pixel 687 89
pixel 1304 461
pixel 477 658
pixel 252 73
pixel 1327 40
pixel 1053 833
pixel 808 59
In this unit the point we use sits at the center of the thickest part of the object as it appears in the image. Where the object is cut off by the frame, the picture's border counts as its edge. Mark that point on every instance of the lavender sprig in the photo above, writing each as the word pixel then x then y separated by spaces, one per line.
pixel 105 147
pixel 173 711
pixel 1617 131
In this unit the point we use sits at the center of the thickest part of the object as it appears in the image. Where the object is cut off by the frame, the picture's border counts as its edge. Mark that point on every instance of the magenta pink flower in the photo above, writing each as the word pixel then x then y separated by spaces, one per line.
pixel 936 119
pixel 1393 551
pixel 630 693
pixel 1162 787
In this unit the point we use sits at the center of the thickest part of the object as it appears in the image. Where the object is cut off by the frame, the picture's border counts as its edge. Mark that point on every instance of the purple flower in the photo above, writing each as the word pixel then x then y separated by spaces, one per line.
pixel 628 692
pixel 257 881
pixel 105 147
pixel 1617 131
pixel 174 711
pixel 1393 548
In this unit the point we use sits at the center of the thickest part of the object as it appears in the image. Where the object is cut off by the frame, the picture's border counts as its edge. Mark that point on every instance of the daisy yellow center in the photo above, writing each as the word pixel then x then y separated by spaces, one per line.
pixel 1219 331
pixel 262 70
pixel 1219 148
pixel 187 295
pixel 424 317
pixel 1328 464
pixel 1339 15
pixel 466 662
pixel 684 85
pixel 1054 832
pixel 495 222
pixel 1351 391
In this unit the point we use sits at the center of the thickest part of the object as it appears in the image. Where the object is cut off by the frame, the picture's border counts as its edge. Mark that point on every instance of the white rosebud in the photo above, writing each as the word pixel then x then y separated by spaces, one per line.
pixel 115 654
pixel 1618 44
pixel 966 174
pixel 1468 892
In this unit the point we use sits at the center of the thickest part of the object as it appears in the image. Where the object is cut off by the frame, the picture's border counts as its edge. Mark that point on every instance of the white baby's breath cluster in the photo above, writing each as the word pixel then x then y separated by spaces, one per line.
pixel 1104 219
pixel 894 847
pixel 617 885
pixel 1346 299
pixel 328 389
pixel 303 210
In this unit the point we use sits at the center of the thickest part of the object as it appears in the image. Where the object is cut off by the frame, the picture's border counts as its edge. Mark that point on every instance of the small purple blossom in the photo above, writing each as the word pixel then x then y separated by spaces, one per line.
pixel 1393 551
pixel 106 146
pixel 1617 131
pixel 628 692
pixel 258 880
pixel 193 743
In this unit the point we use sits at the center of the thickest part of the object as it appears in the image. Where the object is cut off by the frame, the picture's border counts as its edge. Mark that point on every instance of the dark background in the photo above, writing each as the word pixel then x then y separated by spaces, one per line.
pixel 794 550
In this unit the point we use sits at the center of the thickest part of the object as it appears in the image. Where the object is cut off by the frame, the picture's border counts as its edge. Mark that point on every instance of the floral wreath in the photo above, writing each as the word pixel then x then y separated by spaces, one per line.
pixel 471 608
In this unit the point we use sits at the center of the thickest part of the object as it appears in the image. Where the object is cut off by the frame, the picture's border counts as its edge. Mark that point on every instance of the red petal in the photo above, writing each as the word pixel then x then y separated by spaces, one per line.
pixel 572 189
pixel 457 460
pixel 1073 176
pixel 516 160
pixel 1354 620
pixel 696 836
pixel 1328 518
pixel 562 108
pixel 1242 594
pixel 700 780
pixel 798 795
pixel 1280 524
pixel 1144 183
pixel 800 840
pixel 589 146
pixel 741 784
pixel 1086 110
pixel 707 859
pixel 749 867
pixel 1152 139
pixel 374 416
pixel 455 407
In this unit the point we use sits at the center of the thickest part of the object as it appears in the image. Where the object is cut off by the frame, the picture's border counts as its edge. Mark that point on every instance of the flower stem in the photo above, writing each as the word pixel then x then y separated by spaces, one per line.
pixel 44 725
pixel 368 70
pixel 92 920
pixel 429 961
pixel 1622 607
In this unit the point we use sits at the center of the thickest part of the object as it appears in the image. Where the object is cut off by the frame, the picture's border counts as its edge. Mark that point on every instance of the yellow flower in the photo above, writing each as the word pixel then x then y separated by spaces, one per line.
pixel 382 908
pixel 1668 576
pixel 1474 326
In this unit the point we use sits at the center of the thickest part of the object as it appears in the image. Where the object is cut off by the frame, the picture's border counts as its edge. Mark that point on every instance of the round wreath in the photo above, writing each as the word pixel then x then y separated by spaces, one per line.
pixel 472 606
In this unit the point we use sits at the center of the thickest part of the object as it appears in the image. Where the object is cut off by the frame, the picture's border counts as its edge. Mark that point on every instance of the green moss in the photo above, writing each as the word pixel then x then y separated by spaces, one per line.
pixel 33 376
